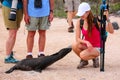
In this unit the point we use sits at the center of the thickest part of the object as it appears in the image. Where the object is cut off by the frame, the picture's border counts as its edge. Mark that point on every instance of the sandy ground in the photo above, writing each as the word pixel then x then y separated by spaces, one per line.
pixel 64 69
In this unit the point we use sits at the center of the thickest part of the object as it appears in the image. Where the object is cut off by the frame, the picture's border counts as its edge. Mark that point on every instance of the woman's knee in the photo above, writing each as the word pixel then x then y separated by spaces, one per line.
pixel 87 55
pixel 74 48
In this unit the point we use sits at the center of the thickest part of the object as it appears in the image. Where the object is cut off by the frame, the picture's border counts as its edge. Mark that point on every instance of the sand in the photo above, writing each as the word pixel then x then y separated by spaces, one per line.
pixel 64 69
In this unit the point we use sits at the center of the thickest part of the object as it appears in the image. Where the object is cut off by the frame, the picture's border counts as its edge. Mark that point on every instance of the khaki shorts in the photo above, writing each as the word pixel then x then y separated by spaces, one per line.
pixel 39 23
pixel 72 5
pixel 12 24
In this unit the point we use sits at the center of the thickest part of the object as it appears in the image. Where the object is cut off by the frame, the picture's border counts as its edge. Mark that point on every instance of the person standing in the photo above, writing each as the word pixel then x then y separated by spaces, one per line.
pixel 71 7
pixel 38 15
pixel 12 27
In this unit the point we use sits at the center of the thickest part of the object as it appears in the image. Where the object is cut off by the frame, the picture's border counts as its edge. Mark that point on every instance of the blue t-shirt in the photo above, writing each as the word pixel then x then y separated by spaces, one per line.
pixel 39 12
pixel 8 3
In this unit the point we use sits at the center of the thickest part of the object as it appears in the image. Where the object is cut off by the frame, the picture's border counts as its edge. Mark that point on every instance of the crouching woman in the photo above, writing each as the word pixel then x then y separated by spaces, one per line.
pixel 89 47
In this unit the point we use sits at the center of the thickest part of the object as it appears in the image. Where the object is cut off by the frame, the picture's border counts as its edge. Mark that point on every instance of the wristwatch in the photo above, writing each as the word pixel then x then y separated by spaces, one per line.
pixel 51 11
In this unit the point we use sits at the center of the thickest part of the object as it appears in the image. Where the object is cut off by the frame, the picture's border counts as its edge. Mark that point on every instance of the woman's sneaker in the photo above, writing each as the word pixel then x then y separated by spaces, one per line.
pixel 11 59
pixel 96 62
pixel 82 64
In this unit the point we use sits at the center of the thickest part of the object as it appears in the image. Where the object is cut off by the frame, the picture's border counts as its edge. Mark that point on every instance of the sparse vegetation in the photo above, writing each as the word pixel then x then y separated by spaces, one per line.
pixel 114 7
pixel 95 5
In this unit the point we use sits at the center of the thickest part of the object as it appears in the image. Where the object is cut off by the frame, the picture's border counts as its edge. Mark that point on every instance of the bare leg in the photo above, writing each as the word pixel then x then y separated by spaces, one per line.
pixel 85 53
pixel 11 41
pixel 9 46
pixel 70 16
pixel 42 40
pixel 78 48
pixel 89 53
pixel 30 40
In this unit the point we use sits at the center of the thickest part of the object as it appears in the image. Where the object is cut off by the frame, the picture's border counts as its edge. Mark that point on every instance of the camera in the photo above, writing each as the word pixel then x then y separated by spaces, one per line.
pixel 38 3
pixel 12 15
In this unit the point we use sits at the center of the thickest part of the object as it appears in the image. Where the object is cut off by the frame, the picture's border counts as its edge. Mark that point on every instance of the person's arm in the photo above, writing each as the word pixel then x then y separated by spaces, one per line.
pixel 51 10
pixel 78 31
pixel 25 10
pixel 79 35
pixel 109 27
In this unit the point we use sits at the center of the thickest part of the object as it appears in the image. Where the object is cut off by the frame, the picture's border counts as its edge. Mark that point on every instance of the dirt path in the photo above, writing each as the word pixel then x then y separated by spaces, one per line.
pixel 65 69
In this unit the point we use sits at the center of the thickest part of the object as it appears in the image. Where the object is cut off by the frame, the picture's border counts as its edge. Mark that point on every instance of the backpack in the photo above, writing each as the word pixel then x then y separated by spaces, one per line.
pixel 95 19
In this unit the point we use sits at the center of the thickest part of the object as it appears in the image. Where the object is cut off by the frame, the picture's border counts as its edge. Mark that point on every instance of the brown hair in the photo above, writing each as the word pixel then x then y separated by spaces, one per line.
pixel 90 23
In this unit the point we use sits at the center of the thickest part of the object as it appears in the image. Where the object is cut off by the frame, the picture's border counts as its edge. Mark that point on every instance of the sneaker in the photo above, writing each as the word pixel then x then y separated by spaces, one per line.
pixel 29 57
pixel 41 55
pixel 96 62
pixel 82 64
pixel 11 59
pixel 70 29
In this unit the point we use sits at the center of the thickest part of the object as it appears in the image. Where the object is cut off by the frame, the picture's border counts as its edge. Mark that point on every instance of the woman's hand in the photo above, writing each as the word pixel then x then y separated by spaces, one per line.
pixel 88 44
pixel 107 14
pixel 85 42
pixel 109 27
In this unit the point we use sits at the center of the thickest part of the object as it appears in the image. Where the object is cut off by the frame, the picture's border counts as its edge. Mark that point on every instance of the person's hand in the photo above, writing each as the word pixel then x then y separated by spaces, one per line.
pixel 107 14
pixel 27 19
pixel 50 18
pixel 88 44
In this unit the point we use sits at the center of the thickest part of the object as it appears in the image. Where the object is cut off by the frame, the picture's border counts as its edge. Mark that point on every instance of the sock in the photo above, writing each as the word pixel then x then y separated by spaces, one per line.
pixel 41 53
pixel 7 56
pixel 29 53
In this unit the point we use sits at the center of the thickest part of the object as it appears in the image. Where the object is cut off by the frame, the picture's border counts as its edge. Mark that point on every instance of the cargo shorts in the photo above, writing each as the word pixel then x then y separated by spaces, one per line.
pixel 12 24
pixel 38 23
pixel 71 5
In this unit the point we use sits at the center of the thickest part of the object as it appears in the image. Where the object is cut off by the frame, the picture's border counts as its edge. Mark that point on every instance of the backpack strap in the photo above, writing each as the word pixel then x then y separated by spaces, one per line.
pixel 81 23
pixel 95 21
pixel 81 26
